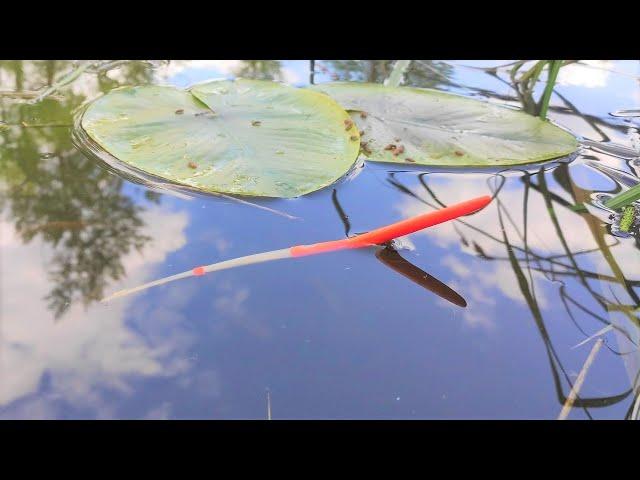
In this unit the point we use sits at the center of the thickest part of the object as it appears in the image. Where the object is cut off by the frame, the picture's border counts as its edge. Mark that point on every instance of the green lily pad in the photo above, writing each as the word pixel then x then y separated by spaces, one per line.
pixel 429 127
pixel 254 138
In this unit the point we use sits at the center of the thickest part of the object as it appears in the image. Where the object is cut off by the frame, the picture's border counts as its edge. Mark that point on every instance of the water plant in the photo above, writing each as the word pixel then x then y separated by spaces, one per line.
pixel 429 127
pixel 554 68
pixel 628 218
pixel 623 199
pixel 261 138
pixel 525 83
pixel 247 137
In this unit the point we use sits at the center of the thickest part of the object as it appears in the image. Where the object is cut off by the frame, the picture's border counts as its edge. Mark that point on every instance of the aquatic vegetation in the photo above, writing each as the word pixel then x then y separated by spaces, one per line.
pixel 623 199
pixel 203 137
pixel 245 137
pixel 554 68
pixel 546 265
pixel 628 218
pixel 397 74
pixel 525 82
pixel 435 128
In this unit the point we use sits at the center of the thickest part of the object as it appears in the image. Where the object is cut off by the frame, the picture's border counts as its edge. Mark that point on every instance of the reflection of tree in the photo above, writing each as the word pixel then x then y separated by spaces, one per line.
pixel 129 73
pixel 55 193
pixel 421 73
pixel 261 70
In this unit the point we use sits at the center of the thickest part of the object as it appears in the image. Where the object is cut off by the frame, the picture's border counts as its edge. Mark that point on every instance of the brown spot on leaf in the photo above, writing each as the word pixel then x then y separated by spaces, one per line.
pixel 399 149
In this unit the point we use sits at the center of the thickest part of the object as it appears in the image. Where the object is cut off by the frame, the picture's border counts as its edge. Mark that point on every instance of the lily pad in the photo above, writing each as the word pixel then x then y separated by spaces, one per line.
pixel 254 138
pixel 428 127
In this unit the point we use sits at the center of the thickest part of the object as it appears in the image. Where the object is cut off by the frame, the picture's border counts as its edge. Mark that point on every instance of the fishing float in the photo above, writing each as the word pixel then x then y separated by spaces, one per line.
pixel 374 237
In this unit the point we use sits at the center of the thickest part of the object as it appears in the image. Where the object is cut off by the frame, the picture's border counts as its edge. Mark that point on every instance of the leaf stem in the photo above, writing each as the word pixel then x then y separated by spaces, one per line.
pixel 554 68
pixel 623 199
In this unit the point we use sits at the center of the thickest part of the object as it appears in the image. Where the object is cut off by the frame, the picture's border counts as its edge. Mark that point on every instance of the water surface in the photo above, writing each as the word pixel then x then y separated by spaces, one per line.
pixel 343 335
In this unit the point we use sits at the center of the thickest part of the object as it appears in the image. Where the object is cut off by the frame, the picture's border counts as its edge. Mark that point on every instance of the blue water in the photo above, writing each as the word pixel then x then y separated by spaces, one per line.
pixel 334 336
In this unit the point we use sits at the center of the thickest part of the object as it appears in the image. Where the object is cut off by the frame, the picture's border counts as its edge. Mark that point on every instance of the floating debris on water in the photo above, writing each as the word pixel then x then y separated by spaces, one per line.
pixel 363 114
pixel 459 153
pixel 180 111
pixel 192 165
pixel 256 123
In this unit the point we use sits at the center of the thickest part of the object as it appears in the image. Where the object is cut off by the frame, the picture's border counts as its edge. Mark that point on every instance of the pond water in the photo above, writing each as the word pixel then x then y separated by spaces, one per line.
pixel 346 335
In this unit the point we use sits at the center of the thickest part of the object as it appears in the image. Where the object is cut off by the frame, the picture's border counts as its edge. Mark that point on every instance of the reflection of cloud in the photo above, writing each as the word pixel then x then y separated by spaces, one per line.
pixel 214 237
pixel 161 412
pixel 233 302
pixel 175 67
pixel 205 384
pixel 484 283
pixel 230 302
pixel 541 232
pixel 586 76
pixel 291 76
pixel 222 68
pixel 86 349
pixel 487 281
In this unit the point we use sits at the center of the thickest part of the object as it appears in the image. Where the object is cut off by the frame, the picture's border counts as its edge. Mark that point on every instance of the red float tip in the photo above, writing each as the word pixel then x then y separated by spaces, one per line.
pixel 198 271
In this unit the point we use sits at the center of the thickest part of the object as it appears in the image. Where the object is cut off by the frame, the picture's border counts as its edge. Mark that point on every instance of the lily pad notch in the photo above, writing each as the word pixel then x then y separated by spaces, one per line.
pixel 262 138
pixel 241 137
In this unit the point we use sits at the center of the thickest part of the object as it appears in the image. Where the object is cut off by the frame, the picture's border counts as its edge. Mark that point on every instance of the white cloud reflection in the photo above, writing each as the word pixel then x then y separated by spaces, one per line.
pixel 593 74
pixel 199 70
pixel 484 281
pixel 85 351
